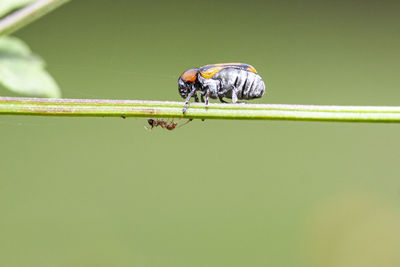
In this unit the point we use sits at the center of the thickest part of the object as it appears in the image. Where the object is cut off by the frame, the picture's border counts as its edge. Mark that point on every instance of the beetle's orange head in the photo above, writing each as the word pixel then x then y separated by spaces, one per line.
pixel 186 80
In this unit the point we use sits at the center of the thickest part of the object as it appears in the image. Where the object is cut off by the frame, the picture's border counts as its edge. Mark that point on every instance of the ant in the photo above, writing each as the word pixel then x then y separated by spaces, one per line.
pixel 169 125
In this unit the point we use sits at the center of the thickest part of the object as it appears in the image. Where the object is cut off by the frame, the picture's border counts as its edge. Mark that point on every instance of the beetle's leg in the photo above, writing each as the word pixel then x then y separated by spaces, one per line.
pixel 202 97
pixel 234 95
pixel 221 98
pixel 196 98
pixel 207 97
pixel 202 100
pixel 187 100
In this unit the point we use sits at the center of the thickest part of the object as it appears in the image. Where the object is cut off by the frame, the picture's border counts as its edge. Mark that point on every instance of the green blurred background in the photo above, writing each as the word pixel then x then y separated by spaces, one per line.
pixel 105 192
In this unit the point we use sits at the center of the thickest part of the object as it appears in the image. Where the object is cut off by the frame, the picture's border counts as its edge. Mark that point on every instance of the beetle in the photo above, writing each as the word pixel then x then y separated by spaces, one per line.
pixel 229 80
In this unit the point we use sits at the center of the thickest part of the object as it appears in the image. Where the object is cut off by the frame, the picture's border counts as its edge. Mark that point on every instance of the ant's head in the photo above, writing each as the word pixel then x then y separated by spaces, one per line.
pixel 151 122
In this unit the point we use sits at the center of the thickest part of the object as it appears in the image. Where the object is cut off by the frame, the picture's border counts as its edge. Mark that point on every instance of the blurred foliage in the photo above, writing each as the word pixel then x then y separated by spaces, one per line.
pixel 23 72
pixel 9 5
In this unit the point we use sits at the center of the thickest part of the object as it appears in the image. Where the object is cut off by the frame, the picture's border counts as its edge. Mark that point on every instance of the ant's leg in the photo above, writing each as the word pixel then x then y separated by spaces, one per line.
pixel 186 122
pixel 196 98
pixel 169 121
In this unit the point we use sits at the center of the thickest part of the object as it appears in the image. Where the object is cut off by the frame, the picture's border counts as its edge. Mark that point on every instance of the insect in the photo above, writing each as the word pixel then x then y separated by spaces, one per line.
pixel 229 80
pixel 169 125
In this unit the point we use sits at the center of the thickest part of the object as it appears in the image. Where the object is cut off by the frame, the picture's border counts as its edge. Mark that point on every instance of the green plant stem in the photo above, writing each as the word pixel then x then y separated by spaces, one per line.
pixel 159 109
pixel 28 14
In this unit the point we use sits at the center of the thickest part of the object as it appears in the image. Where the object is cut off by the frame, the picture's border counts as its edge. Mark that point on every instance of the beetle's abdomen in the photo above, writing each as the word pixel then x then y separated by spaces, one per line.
pixel 248 84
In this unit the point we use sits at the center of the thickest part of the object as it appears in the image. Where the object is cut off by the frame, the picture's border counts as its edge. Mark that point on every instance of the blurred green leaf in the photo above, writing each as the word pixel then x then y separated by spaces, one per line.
pixel 9 5
pixel 23 72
